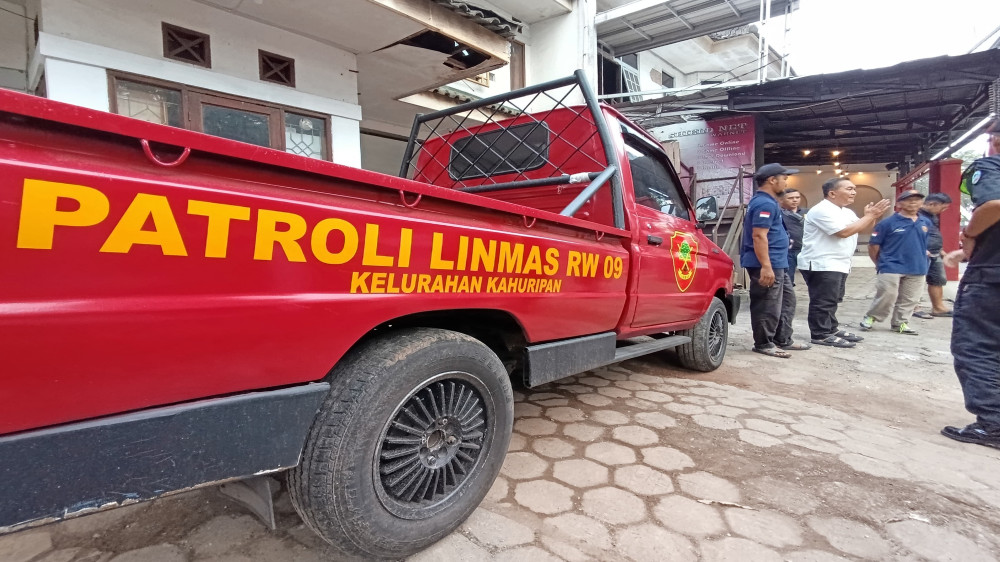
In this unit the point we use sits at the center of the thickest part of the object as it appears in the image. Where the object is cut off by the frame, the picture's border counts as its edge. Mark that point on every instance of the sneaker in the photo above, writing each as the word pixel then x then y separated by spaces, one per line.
pixel 866 323
pixel 973 433
pixel 904 329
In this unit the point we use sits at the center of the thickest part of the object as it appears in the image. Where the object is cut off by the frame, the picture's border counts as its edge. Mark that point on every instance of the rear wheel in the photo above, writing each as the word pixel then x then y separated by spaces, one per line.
pixel 406 445
pixel 709 338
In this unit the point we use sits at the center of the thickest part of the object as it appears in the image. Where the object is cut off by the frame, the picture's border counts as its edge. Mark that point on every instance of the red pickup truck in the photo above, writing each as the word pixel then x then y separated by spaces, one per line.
pixel 178 309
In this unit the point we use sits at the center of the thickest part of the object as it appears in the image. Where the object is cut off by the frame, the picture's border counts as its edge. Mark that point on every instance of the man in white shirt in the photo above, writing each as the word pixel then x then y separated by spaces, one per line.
pixel 830 236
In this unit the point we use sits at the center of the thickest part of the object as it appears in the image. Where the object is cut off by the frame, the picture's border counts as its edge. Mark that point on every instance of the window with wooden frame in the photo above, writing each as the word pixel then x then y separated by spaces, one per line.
pixel 186 45
pixel 245 120
pixel 276 68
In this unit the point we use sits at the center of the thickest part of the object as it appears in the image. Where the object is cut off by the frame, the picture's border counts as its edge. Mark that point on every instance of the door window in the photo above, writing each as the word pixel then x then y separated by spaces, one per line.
pixel 653 183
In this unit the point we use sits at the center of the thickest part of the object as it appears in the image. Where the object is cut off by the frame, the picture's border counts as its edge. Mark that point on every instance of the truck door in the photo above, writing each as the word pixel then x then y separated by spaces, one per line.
pixel 673 277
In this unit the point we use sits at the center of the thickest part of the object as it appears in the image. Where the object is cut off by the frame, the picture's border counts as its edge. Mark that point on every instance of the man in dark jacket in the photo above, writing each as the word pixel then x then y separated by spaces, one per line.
pixel 794 220
pixel 934 205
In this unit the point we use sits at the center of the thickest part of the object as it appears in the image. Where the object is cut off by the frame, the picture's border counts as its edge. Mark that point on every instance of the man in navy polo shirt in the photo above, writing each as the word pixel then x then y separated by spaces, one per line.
pixel 764 254
pixel 898 246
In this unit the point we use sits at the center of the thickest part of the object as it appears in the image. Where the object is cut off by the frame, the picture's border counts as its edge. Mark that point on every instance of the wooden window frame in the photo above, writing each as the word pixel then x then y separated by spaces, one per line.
pixel 192 99
pixel 203 37
pixel 263 60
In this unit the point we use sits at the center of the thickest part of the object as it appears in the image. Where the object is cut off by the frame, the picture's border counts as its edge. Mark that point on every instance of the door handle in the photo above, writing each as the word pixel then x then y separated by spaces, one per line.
pixel 654 240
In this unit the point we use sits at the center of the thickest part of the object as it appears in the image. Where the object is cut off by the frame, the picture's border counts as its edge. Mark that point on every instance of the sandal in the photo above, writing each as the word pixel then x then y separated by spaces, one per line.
pixel 772 352
pixel 795 346
pixel 926 315
pixel 945 314
pixel 834 341
pixel 853 338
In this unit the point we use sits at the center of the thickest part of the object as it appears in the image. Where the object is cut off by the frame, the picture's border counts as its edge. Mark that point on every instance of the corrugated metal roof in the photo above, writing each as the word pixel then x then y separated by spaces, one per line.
pixel 671 21
pixel 504 27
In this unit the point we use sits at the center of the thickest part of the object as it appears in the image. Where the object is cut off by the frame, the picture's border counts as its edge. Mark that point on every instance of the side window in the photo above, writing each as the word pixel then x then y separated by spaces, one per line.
pixel 654 186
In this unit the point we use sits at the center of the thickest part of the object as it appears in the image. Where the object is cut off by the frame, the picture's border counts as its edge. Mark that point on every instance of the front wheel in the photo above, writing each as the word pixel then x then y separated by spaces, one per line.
pixel 709 338
pixel 406 445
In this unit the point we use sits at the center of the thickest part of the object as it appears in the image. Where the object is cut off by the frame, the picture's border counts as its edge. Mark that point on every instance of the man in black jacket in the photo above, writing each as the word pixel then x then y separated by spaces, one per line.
pixel 934 205
pixel 794 219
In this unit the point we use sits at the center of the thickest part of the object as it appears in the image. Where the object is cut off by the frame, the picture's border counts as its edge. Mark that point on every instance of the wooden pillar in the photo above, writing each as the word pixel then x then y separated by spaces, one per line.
pixel 945 176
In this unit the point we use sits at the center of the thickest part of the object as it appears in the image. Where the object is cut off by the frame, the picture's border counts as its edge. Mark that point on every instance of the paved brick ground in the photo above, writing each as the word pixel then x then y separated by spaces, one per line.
pixel 831 456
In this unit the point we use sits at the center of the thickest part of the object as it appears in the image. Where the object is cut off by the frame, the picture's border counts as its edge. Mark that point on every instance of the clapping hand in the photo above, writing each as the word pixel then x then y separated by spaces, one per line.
pixel 876 209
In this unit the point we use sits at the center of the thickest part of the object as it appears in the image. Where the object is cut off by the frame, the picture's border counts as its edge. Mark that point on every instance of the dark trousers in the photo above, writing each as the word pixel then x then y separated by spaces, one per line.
pixel 826 289
pixel 771 309
pixel 976 348
pixel 793 263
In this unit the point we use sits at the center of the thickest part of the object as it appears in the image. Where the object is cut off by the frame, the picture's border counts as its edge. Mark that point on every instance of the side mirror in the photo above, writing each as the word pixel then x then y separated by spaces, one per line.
pixel 706 209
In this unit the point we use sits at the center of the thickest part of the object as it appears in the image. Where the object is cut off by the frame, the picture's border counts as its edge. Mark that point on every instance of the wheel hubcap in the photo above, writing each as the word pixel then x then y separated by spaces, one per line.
pixel 717 336
pixel 430 446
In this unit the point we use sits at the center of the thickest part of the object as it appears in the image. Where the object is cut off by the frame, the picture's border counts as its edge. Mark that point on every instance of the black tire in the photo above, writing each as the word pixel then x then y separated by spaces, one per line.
pixel 709 339
pixel 406 445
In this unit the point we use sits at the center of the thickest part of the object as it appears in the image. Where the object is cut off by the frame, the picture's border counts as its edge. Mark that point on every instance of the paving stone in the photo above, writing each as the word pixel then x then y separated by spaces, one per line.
pixel 716 422
pixel 223 533
pixel 666 458
pixel 609 417
pixel 818 431
pixel 688 516
pixel 536 396
pixel 581 528
pixel 517 442
pixel 709 391
pixel 23 546
pixel 938 544
pixel 935 473
pixel 814 556
pixel 656 419
pixel 823 422
pixel 644 378
pixel 814 444
pixel 875 467
pixel 689 409
pixel 876 438
pixel 93 555
pixel 593 381
pixel 852 537
pixel 731 549
pixel 453 548
pixel 878 451
pixel 709 487
pixel 525 410
pixel 553 447
pixel 615 392
pixel 597 400
pixel 564 414
pixel 64 555
pixel 270 548
pixel 765 426
pixel 649 543
pixel 776 416
pixel 526 554
pixel 787 496
pixel 684 382
pixel 583 431
pixel 158 553
pixel 643 480
pixel 640 404
pixel 699 400
pixel 672 388
pixel 613 505
pixel 575 388
pixel 725 411
pixel 635 435
pixel 759 439
pixel 535 426
pixel 654 396
pixel 737 402
pixel 498 491
pixel 631 385
pixel 580 473
pixel 610 453
pixel 491 529
pixel 522 466
pixel 553 402
pixel 774 403
pixel 542 496
pixel 563 550
pixel 766 527
pixel 615 373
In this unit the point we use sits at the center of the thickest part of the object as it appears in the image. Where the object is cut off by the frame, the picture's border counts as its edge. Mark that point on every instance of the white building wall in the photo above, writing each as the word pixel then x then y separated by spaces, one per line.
pixel 562 44
pixel 15 29
pixel 82 39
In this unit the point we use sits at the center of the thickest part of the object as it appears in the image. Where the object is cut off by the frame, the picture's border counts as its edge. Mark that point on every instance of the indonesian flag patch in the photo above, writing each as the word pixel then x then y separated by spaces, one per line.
pixel 765 214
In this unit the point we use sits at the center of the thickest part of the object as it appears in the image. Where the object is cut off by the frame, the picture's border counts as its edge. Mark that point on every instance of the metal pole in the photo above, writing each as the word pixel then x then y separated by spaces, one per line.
pixel 588 192
pixel 617 198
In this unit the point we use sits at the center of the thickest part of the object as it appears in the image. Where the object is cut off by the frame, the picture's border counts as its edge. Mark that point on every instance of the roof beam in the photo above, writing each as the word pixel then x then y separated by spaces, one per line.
pixel 626 10
pixel 733 8
pixel 678 16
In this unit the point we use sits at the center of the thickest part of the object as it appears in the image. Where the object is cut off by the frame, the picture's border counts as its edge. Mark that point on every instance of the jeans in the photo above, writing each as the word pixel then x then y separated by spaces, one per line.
pixel 793 263
pixel 896 294
pixel 771 309
pixel 976 349
pixel 826 289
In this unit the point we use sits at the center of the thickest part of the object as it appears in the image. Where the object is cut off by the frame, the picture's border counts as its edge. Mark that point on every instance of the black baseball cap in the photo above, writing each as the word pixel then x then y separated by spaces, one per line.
pixel 769 170
pixel 909 193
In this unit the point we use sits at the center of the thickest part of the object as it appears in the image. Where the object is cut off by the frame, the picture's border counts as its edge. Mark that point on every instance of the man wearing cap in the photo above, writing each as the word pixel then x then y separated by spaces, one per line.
pixel 974 342
pixel 934 205
pixel 898 246
pixel 764 254
pixel 829 238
